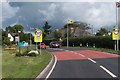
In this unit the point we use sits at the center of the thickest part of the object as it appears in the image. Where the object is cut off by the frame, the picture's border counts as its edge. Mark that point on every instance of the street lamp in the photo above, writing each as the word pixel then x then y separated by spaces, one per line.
pixel 68 22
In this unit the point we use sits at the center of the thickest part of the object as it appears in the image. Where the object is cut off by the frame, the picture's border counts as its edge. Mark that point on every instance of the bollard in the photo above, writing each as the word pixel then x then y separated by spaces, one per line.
pixel 80 44
pixel 87 44
pixel 93 45
pixel 73 44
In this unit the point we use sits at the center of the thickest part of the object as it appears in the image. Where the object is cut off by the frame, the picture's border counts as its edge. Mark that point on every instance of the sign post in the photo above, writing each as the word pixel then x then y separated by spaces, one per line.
pixel 38 37
pixel 116 37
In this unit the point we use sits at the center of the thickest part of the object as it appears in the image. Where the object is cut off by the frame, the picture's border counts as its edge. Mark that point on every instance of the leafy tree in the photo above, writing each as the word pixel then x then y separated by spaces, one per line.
pixel 102 32
pixel 57 35
pixel 25 37
pixel 5 39
pixel 46 29
pixel 65 35
pixel 15 28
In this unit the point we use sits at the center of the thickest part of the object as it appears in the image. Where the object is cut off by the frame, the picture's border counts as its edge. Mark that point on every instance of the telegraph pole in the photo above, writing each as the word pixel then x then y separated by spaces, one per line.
pixel 67 36
pixel 117 44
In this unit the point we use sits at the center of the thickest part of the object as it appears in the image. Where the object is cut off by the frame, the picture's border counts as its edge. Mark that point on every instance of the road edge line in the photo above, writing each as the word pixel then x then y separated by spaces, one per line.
pixel 45 69
pixel 52 68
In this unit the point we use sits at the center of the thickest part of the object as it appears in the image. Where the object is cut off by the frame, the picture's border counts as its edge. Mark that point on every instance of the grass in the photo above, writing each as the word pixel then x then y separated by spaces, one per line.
pixel 23 67
pixel 103 49
pixel 99 49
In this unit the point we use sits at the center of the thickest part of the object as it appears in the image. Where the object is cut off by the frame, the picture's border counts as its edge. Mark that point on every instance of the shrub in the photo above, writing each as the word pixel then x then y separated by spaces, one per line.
pixel 99 41
pixel 18 54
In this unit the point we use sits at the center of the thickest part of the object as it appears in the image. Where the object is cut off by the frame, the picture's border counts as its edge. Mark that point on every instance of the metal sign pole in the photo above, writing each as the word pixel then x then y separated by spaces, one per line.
pixel 40 48
pixel 117 42
pixel 36 45
pixel 115 45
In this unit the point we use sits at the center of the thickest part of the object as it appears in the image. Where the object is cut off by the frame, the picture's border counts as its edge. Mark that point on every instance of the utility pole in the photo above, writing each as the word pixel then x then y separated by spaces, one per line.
pixel 117 6
pixel 67 37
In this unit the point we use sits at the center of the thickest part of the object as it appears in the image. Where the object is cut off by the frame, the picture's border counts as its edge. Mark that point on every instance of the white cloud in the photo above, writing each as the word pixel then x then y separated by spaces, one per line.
pixel 8 11
pixel 50 12
pixel 95 13
pixel 62 0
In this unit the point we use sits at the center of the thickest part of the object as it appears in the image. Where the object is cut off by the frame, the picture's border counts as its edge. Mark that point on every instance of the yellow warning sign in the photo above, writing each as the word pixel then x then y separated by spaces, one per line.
pixel 116 33
pixel 38 35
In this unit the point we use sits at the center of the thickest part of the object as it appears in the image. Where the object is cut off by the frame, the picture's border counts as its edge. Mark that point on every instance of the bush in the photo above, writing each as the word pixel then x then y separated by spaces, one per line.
pixel 47 42
pixel 18 54
pixel 99 41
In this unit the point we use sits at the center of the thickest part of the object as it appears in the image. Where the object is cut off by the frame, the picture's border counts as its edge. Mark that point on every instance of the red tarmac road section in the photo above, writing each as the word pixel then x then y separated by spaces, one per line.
pixel 67 55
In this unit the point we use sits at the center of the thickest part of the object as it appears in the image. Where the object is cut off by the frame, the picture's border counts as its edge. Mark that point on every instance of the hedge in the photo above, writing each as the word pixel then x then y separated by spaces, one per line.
pixel 99 41
pixel 47 42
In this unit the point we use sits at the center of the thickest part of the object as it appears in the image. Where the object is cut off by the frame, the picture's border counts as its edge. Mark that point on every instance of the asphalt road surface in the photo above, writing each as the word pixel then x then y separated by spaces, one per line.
pixel 77 63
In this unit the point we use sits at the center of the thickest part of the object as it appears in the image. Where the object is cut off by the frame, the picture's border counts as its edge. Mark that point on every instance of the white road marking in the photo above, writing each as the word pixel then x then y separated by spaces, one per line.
pixel 72 51
pixel 76 53
pixel 52 68
pixel 92 60
pixel 81 55
pixel 114 76
pixel 66 50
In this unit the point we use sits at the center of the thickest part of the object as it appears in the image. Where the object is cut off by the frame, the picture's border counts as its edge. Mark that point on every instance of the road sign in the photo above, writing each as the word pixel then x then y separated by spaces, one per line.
pixel 38 35
pixel 116 33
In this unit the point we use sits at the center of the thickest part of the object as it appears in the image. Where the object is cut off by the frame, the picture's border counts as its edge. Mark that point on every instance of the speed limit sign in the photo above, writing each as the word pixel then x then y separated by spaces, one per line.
pixel 116 33
pixel 38 35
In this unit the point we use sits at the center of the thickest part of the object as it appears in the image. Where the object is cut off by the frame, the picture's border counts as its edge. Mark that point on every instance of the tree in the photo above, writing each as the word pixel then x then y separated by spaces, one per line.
pixel 5 39
pixel 25 37
pixel 46 29
pixel 102 32
pixel 57 35
pixel 65 35
pixel 15 28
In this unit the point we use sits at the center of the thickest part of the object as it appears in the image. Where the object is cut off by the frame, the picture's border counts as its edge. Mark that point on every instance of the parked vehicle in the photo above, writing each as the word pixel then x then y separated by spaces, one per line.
pixel 42 46
pixel 54 44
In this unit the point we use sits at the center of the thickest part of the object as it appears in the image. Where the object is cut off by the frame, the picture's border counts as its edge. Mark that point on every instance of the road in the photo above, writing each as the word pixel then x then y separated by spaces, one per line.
pixel 77 63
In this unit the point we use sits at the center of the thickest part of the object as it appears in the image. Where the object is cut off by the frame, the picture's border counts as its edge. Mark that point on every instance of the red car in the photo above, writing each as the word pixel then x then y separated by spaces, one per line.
pixel 54 44
pixel 42 46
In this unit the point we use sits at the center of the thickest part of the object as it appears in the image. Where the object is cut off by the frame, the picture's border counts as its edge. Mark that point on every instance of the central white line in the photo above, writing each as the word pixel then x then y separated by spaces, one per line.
pixel 114 76
pixel 92 60
pixel 72 51
pixel 81 55
pixel 76 53
pixel 52 68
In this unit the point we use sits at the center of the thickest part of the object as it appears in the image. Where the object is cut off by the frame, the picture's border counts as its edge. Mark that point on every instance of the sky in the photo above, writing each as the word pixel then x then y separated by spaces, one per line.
pixel 34 14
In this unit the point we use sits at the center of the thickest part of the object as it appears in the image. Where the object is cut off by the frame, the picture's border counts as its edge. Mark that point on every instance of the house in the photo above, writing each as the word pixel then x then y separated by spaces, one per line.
pixel 12 36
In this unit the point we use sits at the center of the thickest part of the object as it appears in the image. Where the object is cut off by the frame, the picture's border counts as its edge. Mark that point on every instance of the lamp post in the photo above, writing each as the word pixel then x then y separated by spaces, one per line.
pixel 67 37
pixel 117 6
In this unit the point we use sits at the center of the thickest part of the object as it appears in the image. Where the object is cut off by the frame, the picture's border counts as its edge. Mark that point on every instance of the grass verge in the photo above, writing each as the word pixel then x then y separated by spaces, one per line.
pixel 99 49
pixel 23 67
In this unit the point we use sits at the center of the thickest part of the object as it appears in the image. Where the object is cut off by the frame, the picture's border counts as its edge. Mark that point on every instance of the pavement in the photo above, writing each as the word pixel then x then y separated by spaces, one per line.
pixel 84 64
